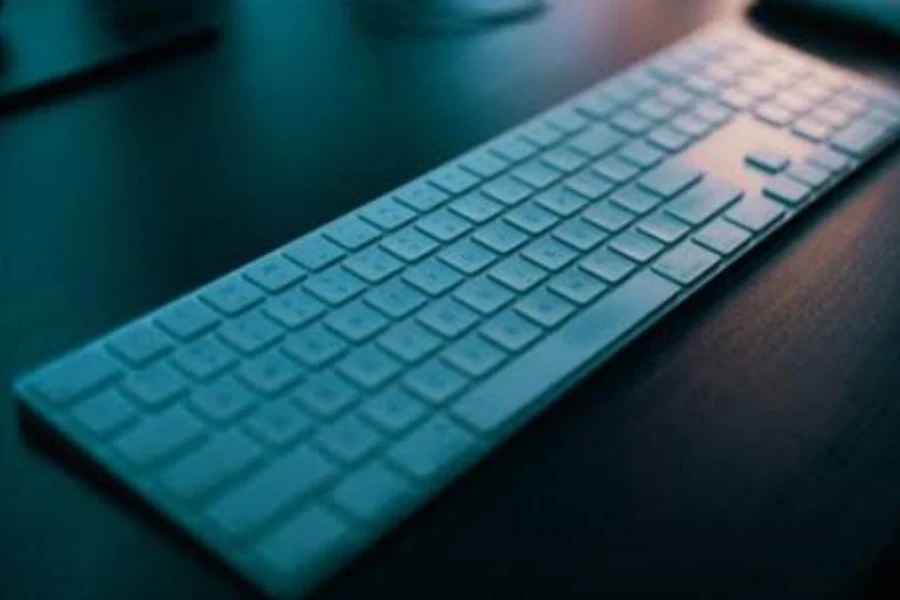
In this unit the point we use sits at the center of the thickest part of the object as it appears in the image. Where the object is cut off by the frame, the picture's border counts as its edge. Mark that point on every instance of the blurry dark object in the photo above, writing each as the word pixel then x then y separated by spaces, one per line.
pixel 449 15
pixel 881 16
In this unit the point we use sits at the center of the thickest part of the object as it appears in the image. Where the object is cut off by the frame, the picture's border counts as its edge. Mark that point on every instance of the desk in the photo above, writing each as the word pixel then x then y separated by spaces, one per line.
pixel 748 446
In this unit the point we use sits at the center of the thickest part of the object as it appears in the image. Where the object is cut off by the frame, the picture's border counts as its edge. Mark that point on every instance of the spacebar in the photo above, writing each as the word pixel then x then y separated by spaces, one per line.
pixel 534 375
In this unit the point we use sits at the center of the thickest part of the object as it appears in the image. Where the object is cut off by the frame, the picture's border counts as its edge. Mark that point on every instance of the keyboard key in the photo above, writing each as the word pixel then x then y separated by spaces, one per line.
pixel 369 367
pixel 597 141
pixel 443 225
pixel 387 214
pixel 616 169
pixel 73 377
pixel 722 237
pixel 476 207
pixel 654 109
pixel 511 191
pixel 448 317
pixel 335 286
pixel 563 159
pixel 568 120
pixel 283 483
pixel 467 256
pixel 531 218
pixel 755 213
pixel 636 200
pixel 607 265
pixel 636 246
pixel 642 154
pixel 454 180
pixel 106 414
pixel 250 333
pixel 431 449
pixel 232 295
pixel 484 295
pixel 663 227
pixel 579 234
pixel 670 178
pixel 279 424
pixel 713 112
pixel 314 347
pixel 549 254
pixel 544 308
pixel 356 322
pixel 374 265
pixel 589 184
pixel 393 410
pixel 155 386
pixel 349 439
pixel 703 201
pixel 410 342
pixel 608 216
pixel 669 139
pixel 812 130
pixel 859 139
pixel 631 123
pixel 158 437
pixel 274 273
pixel 140 343
pixel 770 161
pixel 409 244
pixel 561 201
pixel 434 382
pixel 294 309
pixel 829 159
pixel 325 394
pixel 541 134
pixel 304 542
pixel 474 356
pixel 518 274
pixel 396 299
pixel 809 174
pixel 186 319
pixel 205 358
pixel 222 401
pixel 686 263
pixel 371 493
pixel 484 164
pixel 500 237
pixel 513 148
pixel 691 126
pixel 677 97
pixel 421 196
pixel 787 190
pixel 432 277
pixel 597 106
pixel 510 331
pixel 577 286
pixel 218 461
pixel 536 175
pixel 270 373
pixel 313 252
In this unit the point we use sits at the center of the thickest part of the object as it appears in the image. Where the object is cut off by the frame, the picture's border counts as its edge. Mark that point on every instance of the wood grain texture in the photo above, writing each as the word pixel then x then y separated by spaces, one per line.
pixel 747 446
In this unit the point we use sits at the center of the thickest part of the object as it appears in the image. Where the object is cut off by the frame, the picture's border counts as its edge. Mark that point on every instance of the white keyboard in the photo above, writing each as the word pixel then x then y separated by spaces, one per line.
pixel 290 413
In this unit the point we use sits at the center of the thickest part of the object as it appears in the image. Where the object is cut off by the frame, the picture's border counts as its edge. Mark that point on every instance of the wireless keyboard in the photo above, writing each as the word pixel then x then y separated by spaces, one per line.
pixel 290 413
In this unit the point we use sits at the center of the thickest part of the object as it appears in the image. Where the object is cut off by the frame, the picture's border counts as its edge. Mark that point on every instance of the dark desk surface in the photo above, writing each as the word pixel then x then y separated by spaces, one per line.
pixel 747 446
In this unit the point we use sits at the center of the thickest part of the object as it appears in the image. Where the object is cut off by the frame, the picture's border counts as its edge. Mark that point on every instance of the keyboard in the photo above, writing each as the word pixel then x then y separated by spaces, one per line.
pixel 290 413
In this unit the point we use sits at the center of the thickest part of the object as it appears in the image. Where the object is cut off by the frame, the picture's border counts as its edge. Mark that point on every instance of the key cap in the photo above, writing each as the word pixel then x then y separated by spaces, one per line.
pixel 222 401
pixel 703 201
pixel 250 333
pixel 369 367
pixel 484 295
pixel 510 191
pixel 631 123
pixel 279 424
pixel 577 286
pixel 421 196
pixel 349 439
pixel 634 199
pixel 434 448
pixel 409 244
pixel 474 356
pixel 504 398
pixel 597 141
pixel 443 225
pixel 274 273
pixel 73 377
pixel 616 169
pixel 434 382
pixel 669 179
pixel 597 106
pixel 270 373
pixel 642 154
pixel 561 201
pixel 669 139
pixel 325 394
pixel 510 331
pixel 544 308
pixel 500 237
pixel 106 414
pixel 722 237
pixel 387 214
pixel 314 347
pixel 563 159
pixel 294 309
pixel 859 139
pixel 371 493
pixel 448 317
pixel 809 174
pixel 409 342
pixel 396 299
pixel 356 322
pixel 812 130
pixel 755 213
pixel 608 216
pixel 467 256
pixel 232 295
pixel 831 160
pixel 335 286
pixel 517 274
pixel 579 234
pixel 686 263
pixel 476 207
pixel 663 227
pixel 155 386
pixel 217 461
pixel 568 120
pixel 313 252
pixel 549 254
pixel 432 277
pixel 541 134
pixel 691 126
pixel 394 410
pixel 205 358
pixel 302 543
pixel 281 484
pixel 788 190
pixel 770 161
pixel 484 164
pixel 531 218
pixel 351 232
pixel 589 184
pixel 187 318
pixel 374 265
pixel 140 343
pixel 513 148
pixel 454 180
pixel 635 245
pixel 158 437
pixel 607 265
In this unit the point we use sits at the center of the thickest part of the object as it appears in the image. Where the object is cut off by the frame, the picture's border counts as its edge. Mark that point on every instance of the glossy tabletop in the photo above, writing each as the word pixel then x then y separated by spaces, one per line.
pixel 747 446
